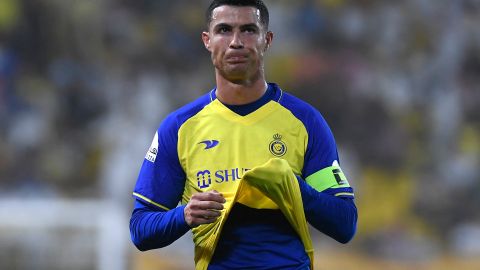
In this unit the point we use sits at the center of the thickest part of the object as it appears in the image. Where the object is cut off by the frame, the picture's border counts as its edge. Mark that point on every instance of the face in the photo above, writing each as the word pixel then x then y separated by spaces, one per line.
pixel 237 42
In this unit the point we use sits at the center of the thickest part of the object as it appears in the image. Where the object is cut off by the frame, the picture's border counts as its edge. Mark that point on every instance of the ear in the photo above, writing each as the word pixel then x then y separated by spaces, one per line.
pixel 206 40
pixel 268 39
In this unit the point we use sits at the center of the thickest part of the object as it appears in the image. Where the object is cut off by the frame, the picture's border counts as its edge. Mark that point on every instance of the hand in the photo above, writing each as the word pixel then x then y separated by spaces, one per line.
pixel 203 208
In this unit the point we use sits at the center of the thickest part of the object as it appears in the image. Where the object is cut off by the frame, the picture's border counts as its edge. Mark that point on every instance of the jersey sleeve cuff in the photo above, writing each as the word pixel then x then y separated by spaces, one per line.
pixel 180 217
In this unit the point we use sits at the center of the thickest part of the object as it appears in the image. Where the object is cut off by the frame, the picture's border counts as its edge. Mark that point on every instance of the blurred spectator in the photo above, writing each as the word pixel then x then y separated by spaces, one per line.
pixel 400 87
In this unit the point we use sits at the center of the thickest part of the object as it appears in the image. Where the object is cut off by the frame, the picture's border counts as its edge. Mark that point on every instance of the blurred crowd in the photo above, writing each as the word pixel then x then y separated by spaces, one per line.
pixel 84 84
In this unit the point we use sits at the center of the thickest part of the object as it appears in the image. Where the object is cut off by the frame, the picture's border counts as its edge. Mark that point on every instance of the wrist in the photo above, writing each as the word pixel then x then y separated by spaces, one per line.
pixel 180 216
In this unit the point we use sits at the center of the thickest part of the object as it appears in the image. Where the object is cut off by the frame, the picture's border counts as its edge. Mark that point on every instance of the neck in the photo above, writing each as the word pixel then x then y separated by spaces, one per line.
pixel 240 92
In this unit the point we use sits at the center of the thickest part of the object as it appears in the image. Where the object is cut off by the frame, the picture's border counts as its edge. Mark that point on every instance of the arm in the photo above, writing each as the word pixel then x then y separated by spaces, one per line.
pixel 326 194
pixel 335 216
pixel 152 227
pixel 156 220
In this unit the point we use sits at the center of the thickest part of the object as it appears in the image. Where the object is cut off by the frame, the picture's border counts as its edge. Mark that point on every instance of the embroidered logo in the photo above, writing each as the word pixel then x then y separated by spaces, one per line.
pixel 204 179
pixel 153 150
pixel 277 147
pixel 207 177
pixel 339 176
pixel 209 143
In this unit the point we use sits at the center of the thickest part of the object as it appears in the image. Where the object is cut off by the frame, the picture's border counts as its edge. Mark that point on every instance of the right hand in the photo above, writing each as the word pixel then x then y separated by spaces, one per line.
pixel 203 208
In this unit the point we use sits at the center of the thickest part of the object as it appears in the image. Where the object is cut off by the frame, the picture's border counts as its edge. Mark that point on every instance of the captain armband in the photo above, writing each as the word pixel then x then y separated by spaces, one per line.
pixel 329 177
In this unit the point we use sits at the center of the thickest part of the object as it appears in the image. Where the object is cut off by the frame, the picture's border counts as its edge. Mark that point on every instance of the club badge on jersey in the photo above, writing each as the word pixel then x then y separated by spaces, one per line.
pixel 277 147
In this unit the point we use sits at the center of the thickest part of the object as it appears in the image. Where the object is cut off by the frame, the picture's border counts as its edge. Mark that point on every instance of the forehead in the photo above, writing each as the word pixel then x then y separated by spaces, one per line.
pixel 234 15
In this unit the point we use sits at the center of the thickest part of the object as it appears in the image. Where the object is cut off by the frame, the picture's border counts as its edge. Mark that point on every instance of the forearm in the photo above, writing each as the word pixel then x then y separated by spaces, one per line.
pixel 151 229
pixel 334 216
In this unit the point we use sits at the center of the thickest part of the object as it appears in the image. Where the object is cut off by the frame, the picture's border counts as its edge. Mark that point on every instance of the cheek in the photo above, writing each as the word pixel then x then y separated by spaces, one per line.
pixel 261 46
pixel 216 54
pixel 218 47
pixel 260 50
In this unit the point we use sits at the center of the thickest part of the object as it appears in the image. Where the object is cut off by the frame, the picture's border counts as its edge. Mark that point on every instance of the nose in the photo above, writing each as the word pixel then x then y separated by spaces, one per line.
pixel 236 42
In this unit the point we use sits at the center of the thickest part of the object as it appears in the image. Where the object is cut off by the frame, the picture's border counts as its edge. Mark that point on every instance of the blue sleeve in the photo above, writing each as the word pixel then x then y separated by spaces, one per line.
pixel 335 216
pixel 161 179
pixel 156 220
pixel 321 149
pixel 328 203
pixel 152 228
pixel 321 167
pixel 326 194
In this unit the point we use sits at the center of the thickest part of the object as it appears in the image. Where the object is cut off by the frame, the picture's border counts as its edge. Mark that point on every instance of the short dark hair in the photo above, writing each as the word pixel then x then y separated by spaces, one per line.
pixel 264 16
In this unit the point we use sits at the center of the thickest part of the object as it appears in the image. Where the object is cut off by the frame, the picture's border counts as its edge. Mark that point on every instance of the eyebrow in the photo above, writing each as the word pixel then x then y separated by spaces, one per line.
pixel 220 25
pixel 249 25
pixel 243 26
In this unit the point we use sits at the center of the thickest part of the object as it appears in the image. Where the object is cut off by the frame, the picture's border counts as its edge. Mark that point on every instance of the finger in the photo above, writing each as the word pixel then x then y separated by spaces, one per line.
pixel 206 214
pixel 221 198
pixel 216 197
pixel 197 217
pixel 209 196
pixel 202 219
pixel 216 192
pixel 204 205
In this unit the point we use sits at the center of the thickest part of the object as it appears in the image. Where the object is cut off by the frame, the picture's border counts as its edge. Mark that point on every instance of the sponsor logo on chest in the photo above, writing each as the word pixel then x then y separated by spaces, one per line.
pixel 205 178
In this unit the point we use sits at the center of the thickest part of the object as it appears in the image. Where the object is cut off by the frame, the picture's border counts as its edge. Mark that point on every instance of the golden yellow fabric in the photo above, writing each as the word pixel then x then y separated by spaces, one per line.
pixel 242 143
pixel 271 185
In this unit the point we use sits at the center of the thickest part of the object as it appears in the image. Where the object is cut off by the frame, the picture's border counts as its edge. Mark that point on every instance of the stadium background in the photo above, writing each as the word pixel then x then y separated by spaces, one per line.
pixel 84 84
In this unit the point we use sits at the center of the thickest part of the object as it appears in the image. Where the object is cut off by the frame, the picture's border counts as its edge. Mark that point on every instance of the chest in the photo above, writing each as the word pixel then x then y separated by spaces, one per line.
pixel 215 151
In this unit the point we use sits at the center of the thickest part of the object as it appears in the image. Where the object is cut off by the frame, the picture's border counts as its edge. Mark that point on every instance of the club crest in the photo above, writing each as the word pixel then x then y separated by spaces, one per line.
pixel 277 147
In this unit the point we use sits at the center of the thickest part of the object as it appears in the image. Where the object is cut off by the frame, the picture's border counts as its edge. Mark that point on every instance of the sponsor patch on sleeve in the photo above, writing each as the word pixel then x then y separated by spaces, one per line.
pixel 153 150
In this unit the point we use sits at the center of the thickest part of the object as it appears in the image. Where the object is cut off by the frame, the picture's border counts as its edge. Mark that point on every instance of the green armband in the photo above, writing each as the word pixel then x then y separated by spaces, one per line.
pixel 330 177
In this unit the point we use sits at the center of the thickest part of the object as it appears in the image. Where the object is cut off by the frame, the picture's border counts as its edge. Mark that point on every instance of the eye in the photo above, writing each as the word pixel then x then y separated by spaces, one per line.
pixel 223 29
pixel 250 30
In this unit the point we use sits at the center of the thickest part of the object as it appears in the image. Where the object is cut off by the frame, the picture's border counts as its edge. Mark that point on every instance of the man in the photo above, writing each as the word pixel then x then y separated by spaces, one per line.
pixel 221 154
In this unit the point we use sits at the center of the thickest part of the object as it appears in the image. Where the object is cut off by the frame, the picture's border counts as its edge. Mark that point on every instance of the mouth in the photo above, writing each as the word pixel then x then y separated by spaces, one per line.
pixel 236 58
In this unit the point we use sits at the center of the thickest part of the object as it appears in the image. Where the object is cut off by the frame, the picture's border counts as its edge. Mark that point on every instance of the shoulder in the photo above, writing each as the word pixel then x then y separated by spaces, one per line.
pixel 296 104
pixel 301 109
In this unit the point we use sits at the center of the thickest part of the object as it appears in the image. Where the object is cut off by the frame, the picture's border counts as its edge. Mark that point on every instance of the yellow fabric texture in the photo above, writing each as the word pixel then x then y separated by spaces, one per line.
pixel 272 185
pixel 244 142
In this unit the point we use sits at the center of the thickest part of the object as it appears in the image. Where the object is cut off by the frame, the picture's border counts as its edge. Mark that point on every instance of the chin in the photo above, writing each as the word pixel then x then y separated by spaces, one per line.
pixel 235 74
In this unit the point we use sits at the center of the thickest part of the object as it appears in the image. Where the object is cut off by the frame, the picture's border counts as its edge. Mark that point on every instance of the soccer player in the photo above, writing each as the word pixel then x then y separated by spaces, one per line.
pixel 242 160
